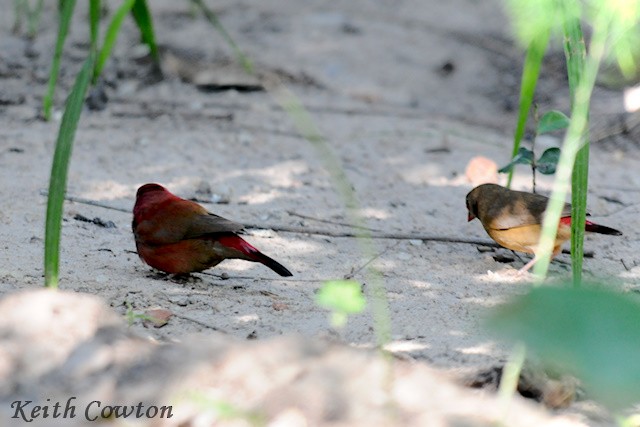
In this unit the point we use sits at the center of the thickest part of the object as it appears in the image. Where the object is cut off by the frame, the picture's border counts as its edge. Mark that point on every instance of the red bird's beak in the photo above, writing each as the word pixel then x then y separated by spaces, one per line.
pixel 470 217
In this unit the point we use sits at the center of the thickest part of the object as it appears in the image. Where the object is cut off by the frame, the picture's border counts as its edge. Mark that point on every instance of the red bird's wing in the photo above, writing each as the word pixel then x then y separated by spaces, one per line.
pixel 202 225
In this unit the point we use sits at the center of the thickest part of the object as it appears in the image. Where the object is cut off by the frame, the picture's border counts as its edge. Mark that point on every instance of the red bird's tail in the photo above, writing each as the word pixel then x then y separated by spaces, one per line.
pixel 272 264
pixel 236 242
pixel 594 228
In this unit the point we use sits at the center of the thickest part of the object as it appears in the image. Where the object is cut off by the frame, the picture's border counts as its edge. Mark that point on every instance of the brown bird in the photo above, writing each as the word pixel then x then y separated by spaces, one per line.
pixel 179 236
pixel 514 219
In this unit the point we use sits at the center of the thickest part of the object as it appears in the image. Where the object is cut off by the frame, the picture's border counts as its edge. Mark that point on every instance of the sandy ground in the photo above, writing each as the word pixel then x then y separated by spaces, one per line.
pixel 405 93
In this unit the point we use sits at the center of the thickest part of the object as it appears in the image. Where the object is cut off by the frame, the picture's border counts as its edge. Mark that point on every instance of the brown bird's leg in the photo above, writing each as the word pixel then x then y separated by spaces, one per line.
pixel 530 264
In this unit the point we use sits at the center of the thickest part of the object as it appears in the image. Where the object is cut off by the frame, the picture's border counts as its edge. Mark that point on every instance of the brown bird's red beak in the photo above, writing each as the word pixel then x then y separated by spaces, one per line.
pixel 470 217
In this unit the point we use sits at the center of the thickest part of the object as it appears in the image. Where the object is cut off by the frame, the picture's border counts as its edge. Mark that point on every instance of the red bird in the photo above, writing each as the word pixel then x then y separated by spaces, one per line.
pixel 179 236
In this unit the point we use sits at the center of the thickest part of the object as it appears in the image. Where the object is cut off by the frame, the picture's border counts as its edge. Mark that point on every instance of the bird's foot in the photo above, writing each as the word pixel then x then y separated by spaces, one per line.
pixel 184 278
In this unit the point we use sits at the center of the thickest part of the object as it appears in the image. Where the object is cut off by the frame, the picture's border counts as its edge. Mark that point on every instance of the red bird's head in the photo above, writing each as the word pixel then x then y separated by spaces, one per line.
pixel 150 195
pixel 149 188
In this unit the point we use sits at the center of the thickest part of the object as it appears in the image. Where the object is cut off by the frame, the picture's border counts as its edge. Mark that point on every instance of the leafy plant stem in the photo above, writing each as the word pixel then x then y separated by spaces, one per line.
pixel 571 145
pixel 533 150
pixel 510 377
pixel 575 53
pixel 530 72
pixel 307 127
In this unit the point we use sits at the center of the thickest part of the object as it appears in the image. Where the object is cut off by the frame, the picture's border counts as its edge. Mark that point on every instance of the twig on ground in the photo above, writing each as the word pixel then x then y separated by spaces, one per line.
pixel 199 322
pixel 225 276
pixel 378 255
pixel 329 233
pixel 88 202
pixel 328 221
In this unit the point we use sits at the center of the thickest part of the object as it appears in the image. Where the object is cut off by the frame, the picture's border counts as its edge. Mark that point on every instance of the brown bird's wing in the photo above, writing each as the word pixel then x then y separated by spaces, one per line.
pixel 203 225
pixel 520 209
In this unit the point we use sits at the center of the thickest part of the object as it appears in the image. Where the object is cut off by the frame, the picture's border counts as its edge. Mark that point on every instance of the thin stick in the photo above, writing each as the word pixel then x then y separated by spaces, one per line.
pixel 329 233
pixel 199 322
pixel 88 202
pixel 259 279
pixel 354 272
pixel 327 221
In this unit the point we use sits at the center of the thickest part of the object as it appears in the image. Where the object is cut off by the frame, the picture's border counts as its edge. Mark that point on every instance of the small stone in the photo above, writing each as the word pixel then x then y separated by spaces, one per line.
pixel 279 306
pixel 181 300
pixel 156 317
pixel 404 256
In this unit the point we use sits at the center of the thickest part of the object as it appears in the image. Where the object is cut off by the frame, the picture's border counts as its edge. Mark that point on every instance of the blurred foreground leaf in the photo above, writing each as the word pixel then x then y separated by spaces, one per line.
pixel 342 297
pixel 591 333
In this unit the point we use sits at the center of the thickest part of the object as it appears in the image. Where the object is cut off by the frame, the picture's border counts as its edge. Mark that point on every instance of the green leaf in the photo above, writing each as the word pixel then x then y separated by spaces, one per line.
pixel 343 297
pixel 59 168
pixel 243 59
pixel 66 12
pixel 548 162
pixel 143 19
pixel 111 36
pixel 551 121
pixel 588 332
pixel 524 157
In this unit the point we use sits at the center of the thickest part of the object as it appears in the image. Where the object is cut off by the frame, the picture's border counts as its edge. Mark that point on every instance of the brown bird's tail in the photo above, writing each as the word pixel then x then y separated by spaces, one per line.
pixel 596 228
pixel 593 228
pixel 252 254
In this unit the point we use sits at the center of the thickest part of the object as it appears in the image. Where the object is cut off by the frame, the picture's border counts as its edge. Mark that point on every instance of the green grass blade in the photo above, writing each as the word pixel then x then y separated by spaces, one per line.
pixel 213 20
pixel 530 73
pixel 111 35
pixel 94 23
pixel 305 125
pixel 66 12
pixel 143 19
pixel 575 53
pixel 59 168
pixel 33 18
pixel 573 141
